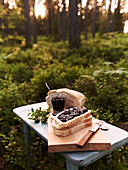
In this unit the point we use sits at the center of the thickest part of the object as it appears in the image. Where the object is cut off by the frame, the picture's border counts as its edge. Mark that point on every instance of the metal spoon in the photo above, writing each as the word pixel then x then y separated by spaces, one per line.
pixel 47 86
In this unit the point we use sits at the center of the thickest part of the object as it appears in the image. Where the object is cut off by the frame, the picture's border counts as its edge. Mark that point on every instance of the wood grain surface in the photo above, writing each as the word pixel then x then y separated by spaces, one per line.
pixel 98 141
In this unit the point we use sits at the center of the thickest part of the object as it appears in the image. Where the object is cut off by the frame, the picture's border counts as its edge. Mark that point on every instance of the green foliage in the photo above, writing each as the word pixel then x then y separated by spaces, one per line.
pixel 57 75
pixel 39 115
pixel 13 148
pixel 112 54
pixel 106 90
pixel 120 158
pixel 11 96
pixel 111 98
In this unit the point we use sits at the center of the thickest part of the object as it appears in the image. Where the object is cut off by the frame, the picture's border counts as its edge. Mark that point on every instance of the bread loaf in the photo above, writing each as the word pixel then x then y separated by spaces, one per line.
pixel 72 98
pixel 73 117
pixel 81 121
pixel 74 129
pixel 59 124
pixel 71 120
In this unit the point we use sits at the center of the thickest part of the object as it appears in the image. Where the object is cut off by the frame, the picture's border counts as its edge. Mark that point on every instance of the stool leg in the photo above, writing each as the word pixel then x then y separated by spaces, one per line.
pixel 26 138
pixel 108 161
pixel 70 166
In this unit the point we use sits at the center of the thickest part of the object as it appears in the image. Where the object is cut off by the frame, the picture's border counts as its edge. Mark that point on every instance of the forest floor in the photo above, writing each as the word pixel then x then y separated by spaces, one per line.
pixel 3 164
pixel 122 126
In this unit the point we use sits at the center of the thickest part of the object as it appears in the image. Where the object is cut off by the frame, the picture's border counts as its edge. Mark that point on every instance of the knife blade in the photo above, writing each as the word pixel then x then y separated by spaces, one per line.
pixel 88 135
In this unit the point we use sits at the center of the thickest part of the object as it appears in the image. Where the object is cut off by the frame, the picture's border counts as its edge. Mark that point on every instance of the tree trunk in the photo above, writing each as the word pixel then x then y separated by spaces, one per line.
pixel 6 22
pixel 102 16
pixel 109 17
pixel 86 20
pixel 27 22
pixel 2 30
pixel 34 24
pixel 59 23
pixel 64 20
pixel 47 18
pixel 113 19
pixel 1 21
pixel 104 6
pixel 119 18
pixel 80 10
pixel 74 26
pixel 6 28
pixel 52 16
pixel 1 26
pixel 94 18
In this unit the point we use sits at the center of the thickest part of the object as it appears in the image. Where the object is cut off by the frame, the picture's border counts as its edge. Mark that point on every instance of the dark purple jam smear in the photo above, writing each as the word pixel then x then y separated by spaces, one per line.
pixel 70 113
pixel 55 113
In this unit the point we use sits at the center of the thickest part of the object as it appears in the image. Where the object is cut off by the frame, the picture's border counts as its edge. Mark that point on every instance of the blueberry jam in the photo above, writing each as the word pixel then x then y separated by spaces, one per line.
pixel 70 113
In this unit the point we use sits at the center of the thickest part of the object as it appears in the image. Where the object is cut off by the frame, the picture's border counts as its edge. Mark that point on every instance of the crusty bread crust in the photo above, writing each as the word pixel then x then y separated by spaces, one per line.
pixel 60 124
pixel 72 98
pixel 69 131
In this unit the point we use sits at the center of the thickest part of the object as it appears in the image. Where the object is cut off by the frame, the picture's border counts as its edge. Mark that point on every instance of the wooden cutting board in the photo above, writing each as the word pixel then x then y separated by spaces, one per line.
pixel 98 141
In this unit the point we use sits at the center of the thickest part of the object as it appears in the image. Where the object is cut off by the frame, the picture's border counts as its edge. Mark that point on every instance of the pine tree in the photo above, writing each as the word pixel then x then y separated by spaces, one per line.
pixel 64 20
pixel 27 21
pixel 86 20
pixel 94 19
pixel 114 18
pixel 118 18
pixel 52 16
pixel 34 24
pixel 74 26
pixel 59 22
pixel 108 26
pixel 47 17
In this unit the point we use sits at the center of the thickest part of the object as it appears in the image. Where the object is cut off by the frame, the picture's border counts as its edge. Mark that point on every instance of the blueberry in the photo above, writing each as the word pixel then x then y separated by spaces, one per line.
pixel 85 110
pixel 37 121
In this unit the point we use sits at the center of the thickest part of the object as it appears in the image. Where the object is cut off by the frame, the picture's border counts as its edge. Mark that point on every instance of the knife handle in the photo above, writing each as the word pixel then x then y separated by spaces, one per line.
pixel 86 137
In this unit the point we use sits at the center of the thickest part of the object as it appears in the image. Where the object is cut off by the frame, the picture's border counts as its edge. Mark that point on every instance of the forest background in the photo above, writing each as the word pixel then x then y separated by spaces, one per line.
pixel 82 47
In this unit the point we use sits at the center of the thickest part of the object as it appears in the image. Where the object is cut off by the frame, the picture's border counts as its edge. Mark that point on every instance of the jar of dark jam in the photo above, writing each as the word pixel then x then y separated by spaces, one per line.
pixel 58 103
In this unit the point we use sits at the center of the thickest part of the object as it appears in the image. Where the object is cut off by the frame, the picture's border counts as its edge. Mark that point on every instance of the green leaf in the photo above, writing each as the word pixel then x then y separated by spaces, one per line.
pixel 32 109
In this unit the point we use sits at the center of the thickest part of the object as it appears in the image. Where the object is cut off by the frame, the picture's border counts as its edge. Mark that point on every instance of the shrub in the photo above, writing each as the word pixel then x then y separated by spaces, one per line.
pixel 106 92
pixel 57 75
pixel 112 54
pixel 11 96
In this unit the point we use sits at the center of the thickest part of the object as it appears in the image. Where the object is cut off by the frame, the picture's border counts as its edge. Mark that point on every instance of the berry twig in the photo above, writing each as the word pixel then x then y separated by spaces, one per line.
pixel 39 115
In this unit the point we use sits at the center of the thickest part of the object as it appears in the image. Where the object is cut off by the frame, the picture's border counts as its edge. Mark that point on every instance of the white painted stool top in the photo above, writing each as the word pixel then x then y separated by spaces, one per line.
pixel 116 136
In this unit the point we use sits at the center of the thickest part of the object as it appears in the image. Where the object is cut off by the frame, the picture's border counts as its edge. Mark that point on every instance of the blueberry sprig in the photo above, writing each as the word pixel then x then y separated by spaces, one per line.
pixel 39 115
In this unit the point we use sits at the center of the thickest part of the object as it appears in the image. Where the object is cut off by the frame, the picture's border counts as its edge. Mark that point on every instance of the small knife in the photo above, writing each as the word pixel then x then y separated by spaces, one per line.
pixel 88 135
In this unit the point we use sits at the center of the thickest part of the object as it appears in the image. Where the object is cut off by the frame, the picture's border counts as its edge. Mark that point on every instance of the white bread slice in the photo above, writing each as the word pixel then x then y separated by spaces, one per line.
pixel 74 129
pixel 60 124
pixel 72 98
pixel 55 126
